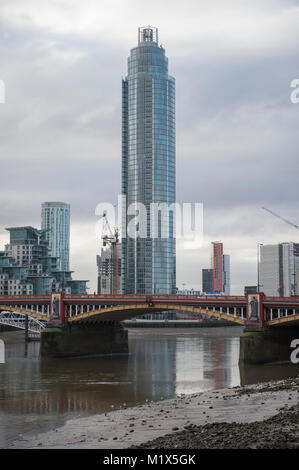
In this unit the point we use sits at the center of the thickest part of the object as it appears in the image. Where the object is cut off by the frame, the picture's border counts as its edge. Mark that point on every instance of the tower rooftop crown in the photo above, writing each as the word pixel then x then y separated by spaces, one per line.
pixel 147 34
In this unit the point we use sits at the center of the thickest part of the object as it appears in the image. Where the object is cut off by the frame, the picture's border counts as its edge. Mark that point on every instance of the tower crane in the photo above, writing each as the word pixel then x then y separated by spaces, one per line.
pixel 111 238
pixel 281 218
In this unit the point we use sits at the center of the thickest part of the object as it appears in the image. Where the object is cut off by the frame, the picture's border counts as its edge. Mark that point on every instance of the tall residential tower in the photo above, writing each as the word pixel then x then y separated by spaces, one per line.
pixel 148 166
pixel 217 278
pixel 56 222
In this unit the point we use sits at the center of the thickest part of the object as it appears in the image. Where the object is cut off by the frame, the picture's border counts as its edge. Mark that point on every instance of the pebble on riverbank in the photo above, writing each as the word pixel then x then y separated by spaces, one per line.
pixel 278 432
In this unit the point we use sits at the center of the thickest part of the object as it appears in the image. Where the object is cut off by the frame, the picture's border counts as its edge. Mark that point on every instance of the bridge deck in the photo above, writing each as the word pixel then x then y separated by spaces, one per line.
pixel 277 311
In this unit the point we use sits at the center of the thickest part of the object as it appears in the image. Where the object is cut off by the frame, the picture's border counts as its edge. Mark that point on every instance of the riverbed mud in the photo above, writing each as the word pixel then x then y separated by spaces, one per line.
pixel 261 415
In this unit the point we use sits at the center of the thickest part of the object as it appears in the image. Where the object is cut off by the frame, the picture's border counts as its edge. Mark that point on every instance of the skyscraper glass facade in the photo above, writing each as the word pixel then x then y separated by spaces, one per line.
pixel 56 222
pixel 148 165
pixel 279 269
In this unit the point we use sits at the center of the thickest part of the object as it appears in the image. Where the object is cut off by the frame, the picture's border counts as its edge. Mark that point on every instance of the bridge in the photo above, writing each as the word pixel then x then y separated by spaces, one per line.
pixel 256 312
pixel 60 308
pixel 33 326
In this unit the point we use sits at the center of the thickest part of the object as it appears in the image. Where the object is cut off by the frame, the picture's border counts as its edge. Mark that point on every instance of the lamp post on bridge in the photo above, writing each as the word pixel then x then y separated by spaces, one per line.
pixel 293 287
pixel 258 266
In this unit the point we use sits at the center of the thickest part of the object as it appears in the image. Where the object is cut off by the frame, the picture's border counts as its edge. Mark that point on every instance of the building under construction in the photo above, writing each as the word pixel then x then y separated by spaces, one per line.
pixel 109 281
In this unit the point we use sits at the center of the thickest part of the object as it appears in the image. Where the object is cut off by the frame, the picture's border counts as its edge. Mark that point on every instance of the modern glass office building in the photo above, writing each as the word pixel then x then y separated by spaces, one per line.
pixel 56 222
pixel 279 269
pixel 148 167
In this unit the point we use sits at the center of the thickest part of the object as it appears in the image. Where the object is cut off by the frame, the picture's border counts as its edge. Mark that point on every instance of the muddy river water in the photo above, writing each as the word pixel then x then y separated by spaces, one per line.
pixel 163 363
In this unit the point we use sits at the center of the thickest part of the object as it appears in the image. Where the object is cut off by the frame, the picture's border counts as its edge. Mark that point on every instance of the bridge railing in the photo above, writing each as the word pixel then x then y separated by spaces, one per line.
pixel 18 320
pixel 273 313
pixel 5 298
pixel 154 297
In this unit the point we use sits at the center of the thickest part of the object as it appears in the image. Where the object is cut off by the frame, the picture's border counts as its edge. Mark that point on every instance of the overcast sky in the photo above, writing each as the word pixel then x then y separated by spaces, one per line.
pixel 237 129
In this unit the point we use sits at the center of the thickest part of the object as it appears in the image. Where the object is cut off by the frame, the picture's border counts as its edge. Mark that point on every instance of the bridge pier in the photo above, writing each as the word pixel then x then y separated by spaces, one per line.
pixel 268 344
pixel 85 339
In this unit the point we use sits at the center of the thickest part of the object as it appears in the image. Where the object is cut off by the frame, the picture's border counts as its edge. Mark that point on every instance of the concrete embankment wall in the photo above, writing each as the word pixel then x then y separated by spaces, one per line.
pixel 271 344
pixel 83 340
pixel 174 324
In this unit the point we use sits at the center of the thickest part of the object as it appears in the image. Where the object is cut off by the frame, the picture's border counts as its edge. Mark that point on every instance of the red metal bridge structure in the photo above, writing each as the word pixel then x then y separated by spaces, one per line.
pixel 253 310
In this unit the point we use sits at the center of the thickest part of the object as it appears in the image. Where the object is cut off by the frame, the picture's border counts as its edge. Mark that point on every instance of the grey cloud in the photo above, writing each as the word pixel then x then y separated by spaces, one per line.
pixel 237 132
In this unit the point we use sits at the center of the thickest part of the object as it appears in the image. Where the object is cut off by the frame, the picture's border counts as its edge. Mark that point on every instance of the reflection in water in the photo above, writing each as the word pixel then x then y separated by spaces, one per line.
pixel 251 374
pixel 36 396
pixel 207 361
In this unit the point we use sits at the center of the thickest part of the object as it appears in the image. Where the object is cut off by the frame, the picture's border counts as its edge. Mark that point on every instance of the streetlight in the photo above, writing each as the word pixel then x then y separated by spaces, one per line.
pixel 258 265
pixel 293 287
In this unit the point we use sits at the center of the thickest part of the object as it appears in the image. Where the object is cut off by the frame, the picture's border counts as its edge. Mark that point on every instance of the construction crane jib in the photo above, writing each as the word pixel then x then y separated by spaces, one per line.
pixel 281 218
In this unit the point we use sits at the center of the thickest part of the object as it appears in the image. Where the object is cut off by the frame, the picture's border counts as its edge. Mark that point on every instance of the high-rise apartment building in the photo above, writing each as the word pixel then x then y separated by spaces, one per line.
pixel 56 222
pixel 279 269
pixel 217 266
pixel 27 267
pixel 226 274
pixel 217 278
pixel 148 166
pixel 207 280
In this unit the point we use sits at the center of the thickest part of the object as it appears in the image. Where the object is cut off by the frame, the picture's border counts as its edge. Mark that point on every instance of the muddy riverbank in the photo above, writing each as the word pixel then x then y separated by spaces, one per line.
pixel 229 418
pixel 278 432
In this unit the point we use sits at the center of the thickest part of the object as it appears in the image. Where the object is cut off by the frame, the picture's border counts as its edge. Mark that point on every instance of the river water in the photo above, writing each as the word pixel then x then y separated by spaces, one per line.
pixel 36 396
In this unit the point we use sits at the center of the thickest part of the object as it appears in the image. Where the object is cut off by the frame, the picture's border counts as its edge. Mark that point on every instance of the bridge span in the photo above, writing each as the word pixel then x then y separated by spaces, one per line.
pixel 102 314
pixel 255 310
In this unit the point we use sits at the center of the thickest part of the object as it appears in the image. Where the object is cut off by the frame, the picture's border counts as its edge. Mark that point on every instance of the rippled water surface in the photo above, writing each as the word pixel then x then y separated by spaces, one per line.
pixel 36 396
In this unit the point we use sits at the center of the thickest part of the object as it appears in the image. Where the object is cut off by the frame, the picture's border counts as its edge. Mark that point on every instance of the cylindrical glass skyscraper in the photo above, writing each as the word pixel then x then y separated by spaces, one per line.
pixel 148 167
